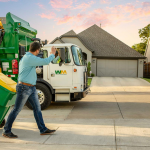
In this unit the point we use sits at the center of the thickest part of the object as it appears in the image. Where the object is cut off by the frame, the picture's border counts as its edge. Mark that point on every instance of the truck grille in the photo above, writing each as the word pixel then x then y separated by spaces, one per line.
pixel 85 80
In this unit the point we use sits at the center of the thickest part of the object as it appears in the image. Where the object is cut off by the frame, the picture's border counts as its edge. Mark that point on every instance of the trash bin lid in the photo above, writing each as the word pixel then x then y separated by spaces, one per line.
pixel 7 83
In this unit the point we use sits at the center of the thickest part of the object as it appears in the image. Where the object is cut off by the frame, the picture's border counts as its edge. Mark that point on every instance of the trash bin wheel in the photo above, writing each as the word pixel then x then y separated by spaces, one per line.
pixel 44 96
pixel 3 123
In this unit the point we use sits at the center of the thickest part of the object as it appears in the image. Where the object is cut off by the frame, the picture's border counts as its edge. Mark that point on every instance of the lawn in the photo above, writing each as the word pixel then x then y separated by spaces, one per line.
pixel 89 81
pixel 147 79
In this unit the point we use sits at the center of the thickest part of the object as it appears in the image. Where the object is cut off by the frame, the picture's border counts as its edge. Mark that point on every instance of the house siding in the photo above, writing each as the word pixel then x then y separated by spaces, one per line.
pixel 94 65
pixel 140 68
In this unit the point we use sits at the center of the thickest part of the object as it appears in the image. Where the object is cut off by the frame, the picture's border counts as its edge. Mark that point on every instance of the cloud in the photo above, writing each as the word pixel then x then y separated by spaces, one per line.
pixel 51 15
pixel 65 19
pixel 83 5
pixel 8 0
pixel 109 16
pixel 97 16
pixel 145 4
pixel 130 12
pixel 105 1
pixel 41 6
pixel 113 15
pixel 61 3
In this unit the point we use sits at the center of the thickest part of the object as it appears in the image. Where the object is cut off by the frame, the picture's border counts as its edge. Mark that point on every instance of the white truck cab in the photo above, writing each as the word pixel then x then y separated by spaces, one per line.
pixel 62 80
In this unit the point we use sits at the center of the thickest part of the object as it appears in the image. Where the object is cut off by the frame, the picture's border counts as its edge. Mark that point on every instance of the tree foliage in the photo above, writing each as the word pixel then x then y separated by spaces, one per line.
pixel 144 33
pixel 88 68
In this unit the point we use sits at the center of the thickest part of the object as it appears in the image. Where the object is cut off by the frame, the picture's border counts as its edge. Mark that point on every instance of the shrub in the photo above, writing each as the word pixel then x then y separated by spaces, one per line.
pixel 92 74
pixel 88 68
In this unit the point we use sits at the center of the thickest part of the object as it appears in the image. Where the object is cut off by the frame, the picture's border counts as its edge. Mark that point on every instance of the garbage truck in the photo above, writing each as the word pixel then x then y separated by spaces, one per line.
pixel 64 80
pixel 16 35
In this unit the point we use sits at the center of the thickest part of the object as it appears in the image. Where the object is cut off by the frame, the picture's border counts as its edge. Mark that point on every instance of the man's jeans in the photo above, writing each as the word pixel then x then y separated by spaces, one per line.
pixel 25 93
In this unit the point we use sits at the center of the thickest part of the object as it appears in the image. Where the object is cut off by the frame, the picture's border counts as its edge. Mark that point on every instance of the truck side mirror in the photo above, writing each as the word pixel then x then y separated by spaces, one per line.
pixel 62 54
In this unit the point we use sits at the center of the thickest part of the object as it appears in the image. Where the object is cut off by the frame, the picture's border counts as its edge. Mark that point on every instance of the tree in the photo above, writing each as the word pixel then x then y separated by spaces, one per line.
pixel 144 33
pixel 140 47
pixel 88 68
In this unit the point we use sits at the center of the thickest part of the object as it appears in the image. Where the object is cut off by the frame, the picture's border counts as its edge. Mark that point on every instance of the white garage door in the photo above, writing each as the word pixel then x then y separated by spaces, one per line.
pixel 116 68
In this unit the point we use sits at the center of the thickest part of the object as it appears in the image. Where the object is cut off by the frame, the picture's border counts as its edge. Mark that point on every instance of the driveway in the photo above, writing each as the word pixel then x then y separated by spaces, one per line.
pixel 119 84
pixel 109 118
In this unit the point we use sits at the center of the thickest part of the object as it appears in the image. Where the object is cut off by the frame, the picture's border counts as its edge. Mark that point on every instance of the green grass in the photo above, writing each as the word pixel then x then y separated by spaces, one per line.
pixel 147 79
pixel 89 81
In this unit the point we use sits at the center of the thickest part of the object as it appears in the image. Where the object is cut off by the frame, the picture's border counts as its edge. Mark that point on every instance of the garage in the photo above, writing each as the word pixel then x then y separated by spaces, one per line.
pixel 116 68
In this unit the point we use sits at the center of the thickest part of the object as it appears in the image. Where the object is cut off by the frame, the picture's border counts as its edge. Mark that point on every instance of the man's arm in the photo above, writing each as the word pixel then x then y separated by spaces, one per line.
pixel 56 59
pixel 37 61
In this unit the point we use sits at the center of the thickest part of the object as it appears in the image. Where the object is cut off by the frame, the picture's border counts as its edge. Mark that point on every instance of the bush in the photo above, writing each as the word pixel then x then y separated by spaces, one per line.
pixel 92 74
pixel 88 68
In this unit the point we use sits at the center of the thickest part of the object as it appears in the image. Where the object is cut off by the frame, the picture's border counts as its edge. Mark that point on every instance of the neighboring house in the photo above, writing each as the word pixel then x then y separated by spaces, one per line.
pixel 147 51
pixel 3 20
pixel 109 56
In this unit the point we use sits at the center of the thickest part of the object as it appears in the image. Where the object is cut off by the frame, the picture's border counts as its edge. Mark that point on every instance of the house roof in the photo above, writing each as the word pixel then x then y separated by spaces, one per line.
pixel 103 44
pixel 106 45
pixel 57 38
pixel 69 33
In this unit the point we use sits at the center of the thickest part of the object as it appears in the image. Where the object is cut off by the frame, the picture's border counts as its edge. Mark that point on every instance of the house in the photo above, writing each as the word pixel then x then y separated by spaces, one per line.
pixel 147 51
pixel 109 56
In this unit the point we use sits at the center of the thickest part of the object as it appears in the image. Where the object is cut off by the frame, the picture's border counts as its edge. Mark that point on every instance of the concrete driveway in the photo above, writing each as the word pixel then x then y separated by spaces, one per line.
pixel 119 84
pixel 109 118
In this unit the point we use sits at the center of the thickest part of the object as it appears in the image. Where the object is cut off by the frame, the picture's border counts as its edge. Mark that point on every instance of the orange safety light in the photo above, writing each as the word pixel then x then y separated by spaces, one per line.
pixel 75 87
pixel 75 70
pixel 19 24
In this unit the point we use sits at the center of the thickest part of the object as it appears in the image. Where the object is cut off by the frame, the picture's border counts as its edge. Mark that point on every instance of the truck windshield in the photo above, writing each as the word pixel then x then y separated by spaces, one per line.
pixel 77 56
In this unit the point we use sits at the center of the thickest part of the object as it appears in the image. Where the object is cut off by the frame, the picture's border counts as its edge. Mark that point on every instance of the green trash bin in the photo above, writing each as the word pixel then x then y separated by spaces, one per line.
pixel 7 99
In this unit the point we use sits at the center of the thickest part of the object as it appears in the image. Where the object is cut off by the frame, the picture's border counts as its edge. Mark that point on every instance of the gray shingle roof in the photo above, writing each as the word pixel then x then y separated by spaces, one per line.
pixel 57 38
pixel 69 33
pixel 102 44
pixel 106 45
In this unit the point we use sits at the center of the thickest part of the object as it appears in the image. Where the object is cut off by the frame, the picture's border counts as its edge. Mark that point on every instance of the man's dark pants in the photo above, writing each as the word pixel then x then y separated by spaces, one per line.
pixel 25 93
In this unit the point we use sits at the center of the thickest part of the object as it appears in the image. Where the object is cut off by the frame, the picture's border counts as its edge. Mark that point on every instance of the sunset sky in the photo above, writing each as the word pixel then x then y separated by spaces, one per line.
pixel 52 18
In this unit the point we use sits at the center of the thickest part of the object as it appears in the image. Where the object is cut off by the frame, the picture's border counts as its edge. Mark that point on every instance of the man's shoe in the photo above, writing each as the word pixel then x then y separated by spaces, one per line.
pixel 9 135
pixel 48 132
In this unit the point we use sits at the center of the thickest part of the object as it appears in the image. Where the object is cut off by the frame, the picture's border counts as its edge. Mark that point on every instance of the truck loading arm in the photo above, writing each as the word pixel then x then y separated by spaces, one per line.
pixel 1 31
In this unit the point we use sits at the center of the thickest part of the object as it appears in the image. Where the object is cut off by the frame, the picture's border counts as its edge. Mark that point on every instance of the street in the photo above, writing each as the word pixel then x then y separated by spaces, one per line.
pixel 108 120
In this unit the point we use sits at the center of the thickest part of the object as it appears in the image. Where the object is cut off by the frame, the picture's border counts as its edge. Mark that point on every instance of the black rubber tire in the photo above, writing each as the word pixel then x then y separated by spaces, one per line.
pixel 47 94
pixel 3 123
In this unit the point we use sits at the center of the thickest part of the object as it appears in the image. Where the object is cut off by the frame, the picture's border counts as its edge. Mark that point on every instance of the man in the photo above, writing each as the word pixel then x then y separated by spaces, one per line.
pixel 57 58
pixel 26 89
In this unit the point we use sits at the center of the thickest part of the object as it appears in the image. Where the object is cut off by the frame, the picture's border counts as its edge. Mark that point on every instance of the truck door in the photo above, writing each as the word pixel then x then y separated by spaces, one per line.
pixel 61 76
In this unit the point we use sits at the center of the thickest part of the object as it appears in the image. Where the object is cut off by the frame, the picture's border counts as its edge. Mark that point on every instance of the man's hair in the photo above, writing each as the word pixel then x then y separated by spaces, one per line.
pixel 34 46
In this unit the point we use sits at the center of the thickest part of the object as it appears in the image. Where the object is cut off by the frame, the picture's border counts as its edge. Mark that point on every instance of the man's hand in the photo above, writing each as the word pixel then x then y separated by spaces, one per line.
pixel 53 50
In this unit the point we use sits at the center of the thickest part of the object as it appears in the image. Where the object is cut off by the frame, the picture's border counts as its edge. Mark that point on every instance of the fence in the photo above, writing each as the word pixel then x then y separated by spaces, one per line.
pixel 146 70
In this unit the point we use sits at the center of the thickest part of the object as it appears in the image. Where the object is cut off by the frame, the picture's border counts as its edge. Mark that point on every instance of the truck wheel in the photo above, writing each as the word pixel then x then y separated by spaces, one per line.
pixel 44 96
pixel 3 123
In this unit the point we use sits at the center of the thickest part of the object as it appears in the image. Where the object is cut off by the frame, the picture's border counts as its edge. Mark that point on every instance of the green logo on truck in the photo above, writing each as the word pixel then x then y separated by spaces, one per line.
pixel 61 72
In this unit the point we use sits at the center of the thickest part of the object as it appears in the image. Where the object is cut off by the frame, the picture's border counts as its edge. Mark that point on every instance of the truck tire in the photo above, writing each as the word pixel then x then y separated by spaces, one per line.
pixel 3 123
pixel 44 95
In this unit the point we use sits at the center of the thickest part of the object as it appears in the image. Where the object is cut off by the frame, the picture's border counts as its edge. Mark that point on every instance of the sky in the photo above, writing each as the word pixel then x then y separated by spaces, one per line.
pixel 52 18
